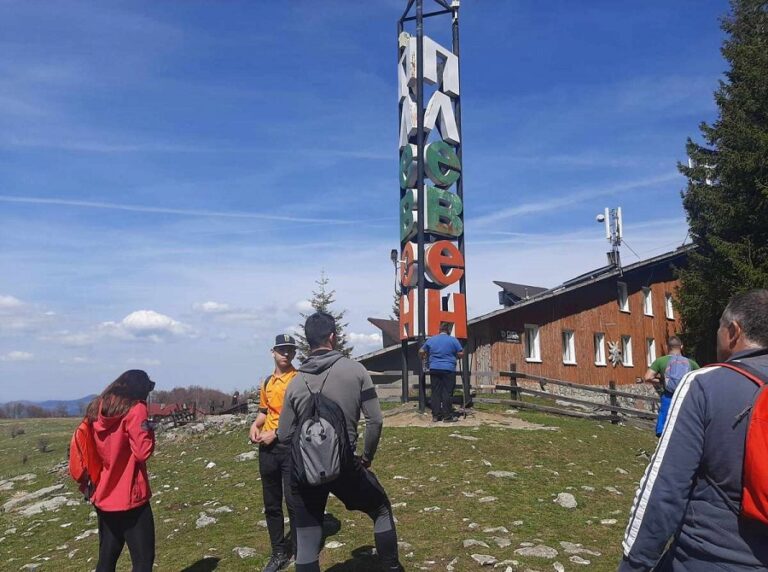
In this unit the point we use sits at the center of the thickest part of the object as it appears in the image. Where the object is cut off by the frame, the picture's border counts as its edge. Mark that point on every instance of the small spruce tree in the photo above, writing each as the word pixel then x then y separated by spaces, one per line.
pixel 726 199
pixel 323 300
pixel 395 312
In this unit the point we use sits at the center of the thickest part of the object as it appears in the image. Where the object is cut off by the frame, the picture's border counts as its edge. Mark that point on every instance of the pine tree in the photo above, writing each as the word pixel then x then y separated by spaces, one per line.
pixel 726 199
pixel 322 301
pixel 395 311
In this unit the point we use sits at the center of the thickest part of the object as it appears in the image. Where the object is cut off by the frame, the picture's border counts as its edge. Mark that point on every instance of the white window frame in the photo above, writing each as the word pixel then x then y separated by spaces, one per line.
pixel 650 350
pixel 569 347
pixel 647 301
pixel 626 351
pixel 669 308
pixel 532 351
pixel 599 339
pixel 623 297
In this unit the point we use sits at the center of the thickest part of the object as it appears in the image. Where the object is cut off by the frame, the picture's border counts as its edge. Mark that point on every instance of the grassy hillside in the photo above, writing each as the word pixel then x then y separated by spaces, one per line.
pixel 439 484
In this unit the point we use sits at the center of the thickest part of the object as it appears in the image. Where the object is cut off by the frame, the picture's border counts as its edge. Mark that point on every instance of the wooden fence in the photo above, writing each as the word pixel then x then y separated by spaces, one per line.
pixel 608 411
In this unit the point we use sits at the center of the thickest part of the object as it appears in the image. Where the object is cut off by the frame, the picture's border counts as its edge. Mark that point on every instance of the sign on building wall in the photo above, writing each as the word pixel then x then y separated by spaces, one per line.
pixel 431 208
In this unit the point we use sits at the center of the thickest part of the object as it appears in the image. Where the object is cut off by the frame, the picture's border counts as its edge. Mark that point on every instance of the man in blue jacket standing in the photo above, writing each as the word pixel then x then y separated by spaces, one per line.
pixel 443 350
pixel 694 479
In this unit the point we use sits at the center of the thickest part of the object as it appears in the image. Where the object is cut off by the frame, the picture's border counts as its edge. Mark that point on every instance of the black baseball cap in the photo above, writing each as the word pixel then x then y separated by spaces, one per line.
pixel 285 340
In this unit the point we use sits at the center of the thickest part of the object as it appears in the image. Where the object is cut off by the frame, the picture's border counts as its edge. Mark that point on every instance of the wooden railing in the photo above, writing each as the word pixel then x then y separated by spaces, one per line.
pixel 604 411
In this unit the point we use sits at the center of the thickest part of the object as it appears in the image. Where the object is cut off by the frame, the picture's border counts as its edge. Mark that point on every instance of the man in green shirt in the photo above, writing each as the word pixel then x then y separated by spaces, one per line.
pixel 665 374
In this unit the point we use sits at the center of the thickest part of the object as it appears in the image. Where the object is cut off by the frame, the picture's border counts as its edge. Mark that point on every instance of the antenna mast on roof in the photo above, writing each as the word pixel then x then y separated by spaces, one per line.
pixel 614 232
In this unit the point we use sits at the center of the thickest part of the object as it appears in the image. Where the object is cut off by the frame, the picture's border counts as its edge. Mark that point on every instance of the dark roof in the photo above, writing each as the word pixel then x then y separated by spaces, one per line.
pixel 573 284
pixel 389 328
pixel 520 291
pixel 589 278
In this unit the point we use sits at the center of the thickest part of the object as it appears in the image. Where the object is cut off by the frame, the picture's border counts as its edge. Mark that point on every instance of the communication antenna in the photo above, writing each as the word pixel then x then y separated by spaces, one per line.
pixel 614 233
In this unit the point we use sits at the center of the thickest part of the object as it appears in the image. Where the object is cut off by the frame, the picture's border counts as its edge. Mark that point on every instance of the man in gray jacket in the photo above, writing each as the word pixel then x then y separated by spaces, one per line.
pixel 694 480
pixel 348 384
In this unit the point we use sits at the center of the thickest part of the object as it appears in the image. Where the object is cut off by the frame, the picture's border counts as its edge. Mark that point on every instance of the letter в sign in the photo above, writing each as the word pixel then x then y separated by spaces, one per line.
pixel 441 163
pixel 443 210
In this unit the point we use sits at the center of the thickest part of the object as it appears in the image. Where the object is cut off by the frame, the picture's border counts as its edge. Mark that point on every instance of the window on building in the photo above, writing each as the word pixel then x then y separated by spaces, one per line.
pixel 569 347
pixel 626 351
pixel 532 344
pixel 669 309
pixel 623 297
pixel 650 346
pixel 600 348
pixel 647 301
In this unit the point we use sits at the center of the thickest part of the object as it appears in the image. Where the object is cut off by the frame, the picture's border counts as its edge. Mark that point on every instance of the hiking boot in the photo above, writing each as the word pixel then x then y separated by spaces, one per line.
pixel 278 562
pixel 436 419
pixel 450 420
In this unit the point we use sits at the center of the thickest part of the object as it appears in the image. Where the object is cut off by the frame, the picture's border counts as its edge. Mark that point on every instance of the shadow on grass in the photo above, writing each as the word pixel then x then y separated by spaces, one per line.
pixel 203 565
pixel 362 560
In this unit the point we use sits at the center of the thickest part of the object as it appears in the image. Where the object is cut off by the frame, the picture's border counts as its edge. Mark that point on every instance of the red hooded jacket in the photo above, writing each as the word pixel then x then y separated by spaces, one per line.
pixel 124 444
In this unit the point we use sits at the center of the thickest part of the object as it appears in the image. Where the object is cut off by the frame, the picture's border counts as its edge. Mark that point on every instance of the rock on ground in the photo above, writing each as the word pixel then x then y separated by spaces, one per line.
pixel 47 505
pixel 249 456
pixel 502 474
pixel 25 499
pixel 566 500
pixel 245 551
pixel 472 542
pixel 205 520
pixel 484 559
pixel 539 551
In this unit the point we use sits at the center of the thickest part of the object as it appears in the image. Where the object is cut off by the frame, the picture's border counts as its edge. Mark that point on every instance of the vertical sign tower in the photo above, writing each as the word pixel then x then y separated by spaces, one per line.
pixel 432 271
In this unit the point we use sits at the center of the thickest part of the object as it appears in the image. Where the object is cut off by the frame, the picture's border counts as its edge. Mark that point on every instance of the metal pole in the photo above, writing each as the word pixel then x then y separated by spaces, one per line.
pixel 420 190
pixel 460 192
pixel 403 343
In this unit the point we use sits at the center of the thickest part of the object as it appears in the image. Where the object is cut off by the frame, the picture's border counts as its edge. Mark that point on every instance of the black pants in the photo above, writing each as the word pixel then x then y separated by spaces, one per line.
pixel 443 383
pixel 135 527
pixel 359 489
pixel 275 470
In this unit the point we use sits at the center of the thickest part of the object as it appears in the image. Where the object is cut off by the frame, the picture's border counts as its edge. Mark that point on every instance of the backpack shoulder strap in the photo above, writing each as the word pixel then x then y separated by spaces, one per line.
pixel 746 370
pixel 322 385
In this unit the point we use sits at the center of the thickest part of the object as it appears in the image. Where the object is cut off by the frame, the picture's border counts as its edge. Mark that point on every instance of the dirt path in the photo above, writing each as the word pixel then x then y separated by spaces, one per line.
pixel 408 416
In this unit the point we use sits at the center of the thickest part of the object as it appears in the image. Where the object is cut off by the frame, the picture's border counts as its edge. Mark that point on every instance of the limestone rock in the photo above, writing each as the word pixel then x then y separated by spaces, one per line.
pixel 205 520
pixel 249 456
pixel 502 474
pixel 245 551
pixel 484 559
pixel 538 551
pixel 566 500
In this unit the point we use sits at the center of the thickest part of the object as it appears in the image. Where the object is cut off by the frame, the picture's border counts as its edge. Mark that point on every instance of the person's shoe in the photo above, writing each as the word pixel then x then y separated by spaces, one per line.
pixel 450 420
pixel 278 562
pixel 436 419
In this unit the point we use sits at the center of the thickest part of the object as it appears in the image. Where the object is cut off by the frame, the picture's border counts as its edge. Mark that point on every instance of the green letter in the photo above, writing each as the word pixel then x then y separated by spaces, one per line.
pixel 442 164
pixel 443 209
pixel 407 217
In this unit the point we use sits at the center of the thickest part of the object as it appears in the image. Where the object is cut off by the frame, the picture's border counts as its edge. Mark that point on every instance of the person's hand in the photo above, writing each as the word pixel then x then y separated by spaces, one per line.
pixel 254 433
pixel 267 437
pixel 365 462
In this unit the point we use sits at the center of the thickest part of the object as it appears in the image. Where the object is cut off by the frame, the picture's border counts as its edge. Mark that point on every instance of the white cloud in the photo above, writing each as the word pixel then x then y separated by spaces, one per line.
pixel 147 324
pixel 17 356
pixel 363 343
pixel 223 312
pixel 9 302
pixel 304 306
pixel 212 307
pixel 17 315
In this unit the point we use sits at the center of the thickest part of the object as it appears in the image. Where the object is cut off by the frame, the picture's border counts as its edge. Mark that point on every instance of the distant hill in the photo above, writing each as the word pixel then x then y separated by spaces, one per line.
pixel 51 407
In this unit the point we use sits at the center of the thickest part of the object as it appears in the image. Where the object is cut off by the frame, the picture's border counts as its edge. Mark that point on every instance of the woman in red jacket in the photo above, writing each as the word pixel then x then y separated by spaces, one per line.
pixel 124 441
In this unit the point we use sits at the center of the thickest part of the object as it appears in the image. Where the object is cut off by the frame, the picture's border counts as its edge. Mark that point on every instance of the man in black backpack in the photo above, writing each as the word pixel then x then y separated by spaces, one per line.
pixel 348 384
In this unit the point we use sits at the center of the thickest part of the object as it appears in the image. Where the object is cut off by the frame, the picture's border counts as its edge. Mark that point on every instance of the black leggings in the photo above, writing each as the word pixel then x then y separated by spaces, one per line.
pixel 135 527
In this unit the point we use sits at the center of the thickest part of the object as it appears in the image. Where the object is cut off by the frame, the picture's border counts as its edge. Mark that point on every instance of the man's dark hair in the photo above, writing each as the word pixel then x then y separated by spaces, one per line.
pixel 674 342
pixel 750 310
pixel 317 328
pixel 446 327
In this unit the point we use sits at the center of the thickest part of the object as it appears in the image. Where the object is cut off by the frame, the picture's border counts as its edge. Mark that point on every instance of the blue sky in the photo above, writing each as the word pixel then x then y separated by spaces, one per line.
pixel 175 175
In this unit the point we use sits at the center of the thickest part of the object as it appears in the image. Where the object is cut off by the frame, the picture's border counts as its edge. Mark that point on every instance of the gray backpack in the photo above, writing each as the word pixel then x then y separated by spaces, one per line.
pixel 320 450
